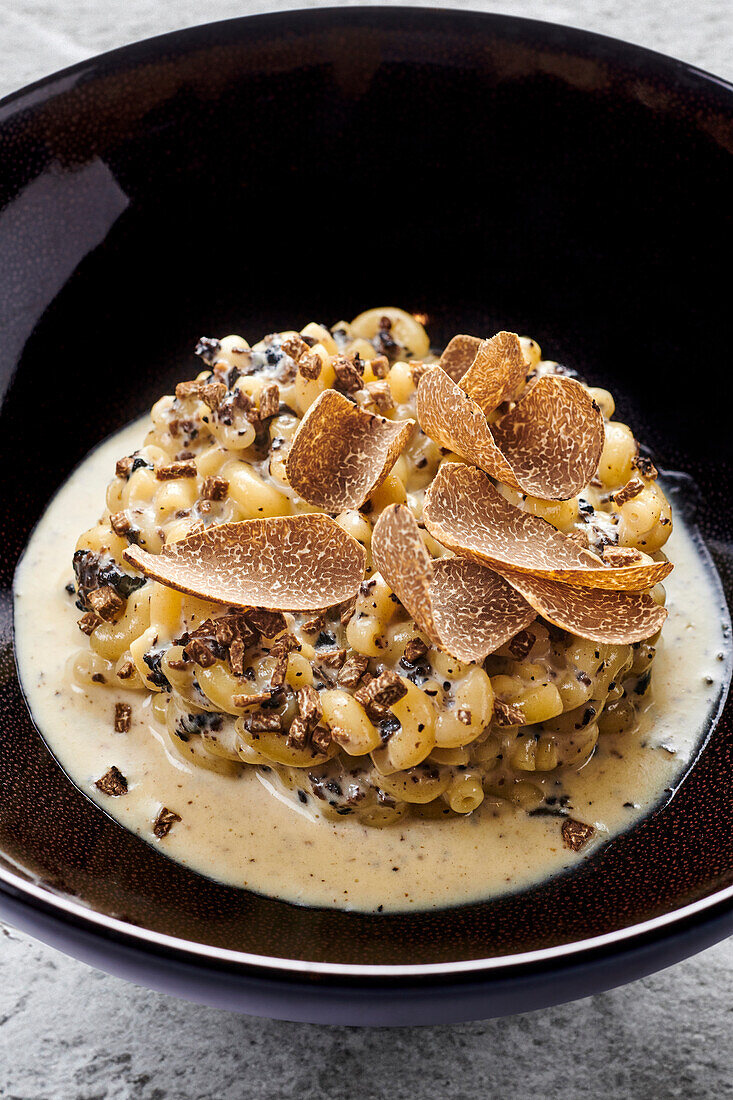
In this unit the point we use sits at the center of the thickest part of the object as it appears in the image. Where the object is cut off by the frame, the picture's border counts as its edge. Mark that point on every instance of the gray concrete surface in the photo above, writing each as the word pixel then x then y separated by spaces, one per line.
pixel 71 1033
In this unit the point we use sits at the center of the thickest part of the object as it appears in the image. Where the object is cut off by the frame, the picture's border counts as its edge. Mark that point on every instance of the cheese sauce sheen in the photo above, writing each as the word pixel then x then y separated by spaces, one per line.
pixel 247 831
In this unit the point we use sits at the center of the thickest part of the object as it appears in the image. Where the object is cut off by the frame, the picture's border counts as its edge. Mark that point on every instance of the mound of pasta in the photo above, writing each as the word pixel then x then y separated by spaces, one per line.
pixel 401 581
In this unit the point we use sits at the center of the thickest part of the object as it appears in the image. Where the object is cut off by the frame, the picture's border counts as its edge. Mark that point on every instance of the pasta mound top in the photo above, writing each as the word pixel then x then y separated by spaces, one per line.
pixel 402 581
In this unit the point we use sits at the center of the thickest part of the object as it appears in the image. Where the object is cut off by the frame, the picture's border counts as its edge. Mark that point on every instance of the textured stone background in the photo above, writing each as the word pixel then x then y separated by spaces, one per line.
pixel 71 1033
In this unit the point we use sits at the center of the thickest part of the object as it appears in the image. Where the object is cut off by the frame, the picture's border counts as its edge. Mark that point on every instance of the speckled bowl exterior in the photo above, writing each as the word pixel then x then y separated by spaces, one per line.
pixel 255 174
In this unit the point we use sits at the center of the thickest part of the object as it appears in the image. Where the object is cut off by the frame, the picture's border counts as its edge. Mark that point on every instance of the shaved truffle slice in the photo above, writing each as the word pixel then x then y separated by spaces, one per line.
pixel 459 355
pixel 466 513
pixel 287 563
pixel 602 616
pixel 400 555
pixel 553 438
pixel 498 370
pixel 341 453
pixel 548 445
pixel 475 611
pixel 451 418
pixel 463 608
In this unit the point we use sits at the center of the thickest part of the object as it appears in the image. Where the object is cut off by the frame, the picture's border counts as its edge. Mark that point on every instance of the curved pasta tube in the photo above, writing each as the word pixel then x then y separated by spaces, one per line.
pixel 465 792
pixel 111 640
pixel 274 747
pixel 219 685
pixel 349 724
pixel 470 714
pixel 192 749
pixel 182 680
pixel 255 498
pixel 85 665
pixel 415 739
pixel 404 329
pixel 101 539
pixel 619 450
pixel 536 701
pixel 224 742
pixel 417 785
pixel 308 389
pixel 138 647
pixel 535 753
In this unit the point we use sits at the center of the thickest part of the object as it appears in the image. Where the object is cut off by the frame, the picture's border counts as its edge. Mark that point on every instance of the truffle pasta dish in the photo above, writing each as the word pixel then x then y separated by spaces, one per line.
pixel 354 622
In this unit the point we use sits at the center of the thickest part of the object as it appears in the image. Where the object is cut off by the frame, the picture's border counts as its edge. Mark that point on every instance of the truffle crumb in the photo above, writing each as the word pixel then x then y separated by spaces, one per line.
pixel 123 717
pixel 313 626
pixel 309 706
pixel 353 670
pixel 88 622
pixel 106 603
pixel 348 374
pixel 381 693
pixel 212 394
pixel 259 722
pixel 576 834
pixel 207 349
pixel 631 489
pixel 645 466
pixel 176 470
pixel 214 488
pixel 269 401
pixel 200 652
pixel 112 783
pixel 120 523
pixel 521 644
pixel 295 347
pixel 267 623
pixel 164 822
pixel 310 366
pixel 381 395
pixel 618 556
pixel 321 739
pixel 298 734
pixel 348 607
pixel 415 650
pixel 506 714
pixel 256 698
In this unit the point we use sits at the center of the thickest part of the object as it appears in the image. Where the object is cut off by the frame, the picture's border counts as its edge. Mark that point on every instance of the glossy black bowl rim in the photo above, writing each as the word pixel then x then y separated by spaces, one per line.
pixel 25 897
pixel 717 907
pixel 354 11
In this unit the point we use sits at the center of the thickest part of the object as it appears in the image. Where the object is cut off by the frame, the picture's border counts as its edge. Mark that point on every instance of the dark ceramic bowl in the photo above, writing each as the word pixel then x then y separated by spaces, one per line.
pixel 253 174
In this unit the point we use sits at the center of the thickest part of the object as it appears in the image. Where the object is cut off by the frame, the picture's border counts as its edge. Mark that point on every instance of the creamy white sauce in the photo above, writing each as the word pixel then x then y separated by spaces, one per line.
pixel 247 832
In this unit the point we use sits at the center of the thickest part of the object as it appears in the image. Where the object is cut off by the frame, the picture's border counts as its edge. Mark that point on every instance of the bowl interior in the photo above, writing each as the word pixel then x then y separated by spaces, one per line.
pixel 253 175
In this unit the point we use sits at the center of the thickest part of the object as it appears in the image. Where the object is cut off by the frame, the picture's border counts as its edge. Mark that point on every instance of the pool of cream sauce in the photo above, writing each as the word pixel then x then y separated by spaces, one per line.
pixel 248 832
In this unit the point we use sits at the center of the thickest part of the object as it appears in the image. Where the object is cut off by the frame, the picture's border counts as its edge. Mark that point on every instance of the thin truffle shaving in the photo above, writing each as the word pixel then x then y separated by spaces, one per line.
pixel 496 373
pixel 463 608
pixel 619 618
pixel 342 453
pixel 459 355
pixel 553 438
pixel 465 512
pixel 287 563
pixel 549 444
pixel 451 418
